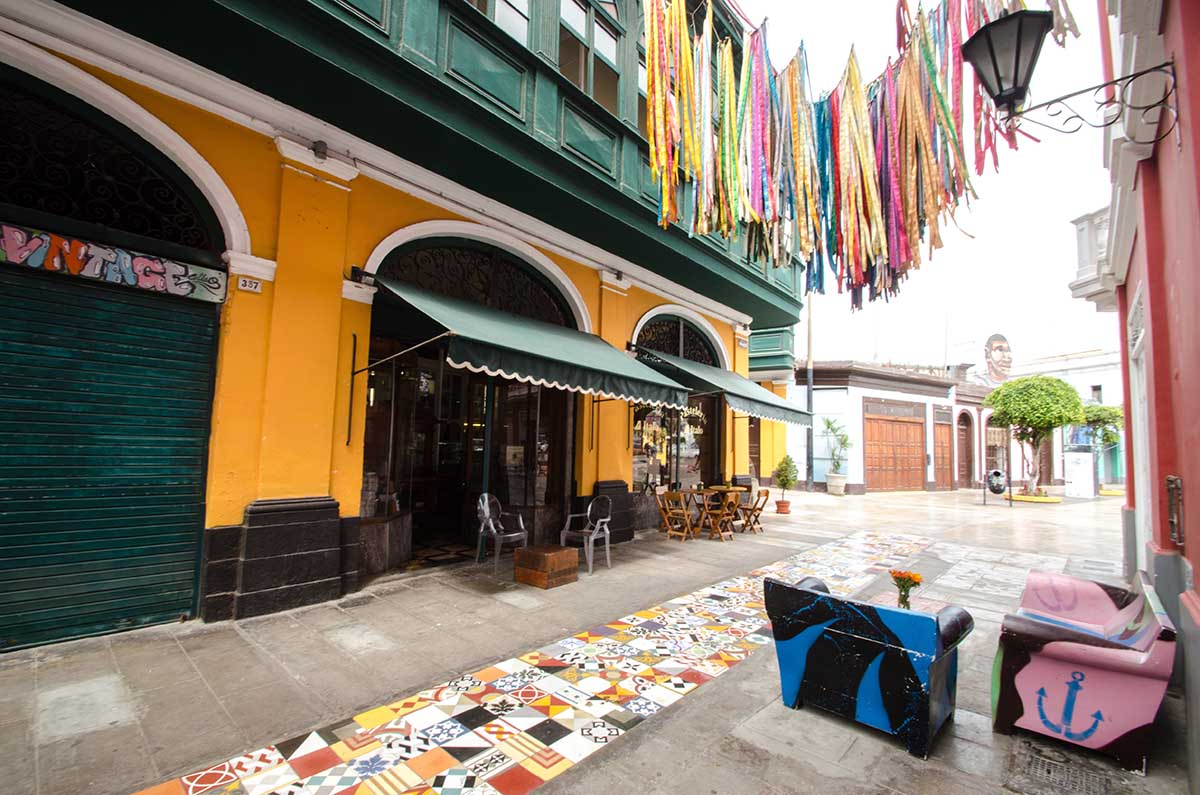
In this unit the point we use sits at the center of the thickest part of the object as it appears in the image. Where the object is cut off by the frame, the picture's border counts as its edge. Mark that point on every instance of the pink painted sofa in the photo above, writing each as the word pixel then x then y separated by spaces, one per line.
pixel 1085 663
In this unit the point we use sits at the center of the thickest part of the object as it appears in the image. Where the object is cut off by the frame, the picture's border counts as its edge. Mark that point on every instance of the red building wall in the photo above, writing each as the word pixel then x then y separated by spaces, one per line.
pixel 1165 264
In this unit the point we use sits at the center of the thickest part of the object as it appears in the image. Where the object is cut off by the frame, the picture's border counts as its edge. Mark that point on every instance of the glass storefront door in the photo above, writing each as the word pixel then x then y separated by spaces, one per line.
pixel 672 447
pixel 426 447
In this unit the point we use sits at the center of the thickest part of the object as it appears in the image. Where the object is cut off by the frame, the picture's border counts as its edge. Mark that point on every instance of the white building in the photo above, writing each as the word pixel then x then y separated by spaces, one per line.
pixel 909 431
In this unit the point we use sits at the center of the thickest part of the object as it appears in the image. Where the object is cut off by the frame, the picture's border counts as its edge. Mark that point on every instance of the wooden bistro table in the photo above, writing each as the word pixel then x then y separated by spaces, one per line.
pixel 694 498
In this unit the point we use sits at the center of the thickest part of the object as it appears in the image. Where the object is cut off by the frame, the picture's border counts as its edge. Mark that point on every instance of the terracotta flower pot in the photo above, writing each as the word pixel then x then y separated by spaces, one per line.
pixel 783 506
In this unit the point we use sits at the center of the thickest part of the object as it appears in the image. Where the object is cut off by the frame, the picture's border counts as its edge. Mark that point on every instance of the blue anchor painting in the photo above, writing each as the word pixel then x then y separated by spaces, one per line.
pixel 1068 712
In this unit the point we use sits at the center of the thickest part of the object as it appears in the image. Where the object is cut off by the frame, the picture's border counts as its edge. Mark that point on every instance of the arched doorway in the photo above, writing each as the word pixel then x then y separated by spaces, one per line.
pixel 998 447
pixel 966 451
pixel 111 279
pixel 437 436
pixel 672 447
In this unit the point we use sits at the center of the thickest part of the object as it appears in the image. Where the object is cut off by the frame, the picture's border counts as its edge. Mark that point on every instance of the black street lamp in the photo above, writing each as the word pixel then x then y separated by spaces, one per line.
pixel 1004 52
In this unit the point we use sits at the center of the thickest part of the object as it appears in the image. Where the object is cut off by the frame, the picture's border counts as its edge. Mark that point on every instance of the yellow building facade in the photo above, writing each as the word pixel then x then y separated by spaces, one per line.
pixel 308 225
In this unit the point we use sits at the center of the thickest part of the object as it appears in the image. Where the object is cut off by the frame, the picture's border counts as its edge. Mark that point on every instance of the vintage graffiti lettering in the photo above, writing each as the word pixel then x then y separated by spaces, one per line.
pixel 51 252
pixel 120 270
pixel 65 254
pixel 150 274
pixel 18 244
pixel 98 258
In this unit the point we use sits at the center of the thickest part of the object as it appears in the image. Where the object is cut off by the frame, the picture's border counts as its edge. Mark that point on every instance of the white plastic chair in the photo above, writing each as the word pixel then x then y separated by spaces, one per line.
pixel 599 513
pixel 490 526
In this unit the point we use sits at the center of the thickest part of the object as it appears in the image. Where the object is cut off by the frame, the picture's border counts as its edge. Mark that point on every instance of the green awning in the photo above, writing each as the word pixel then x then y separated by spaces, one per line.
pixel 485 340
pixel 741 394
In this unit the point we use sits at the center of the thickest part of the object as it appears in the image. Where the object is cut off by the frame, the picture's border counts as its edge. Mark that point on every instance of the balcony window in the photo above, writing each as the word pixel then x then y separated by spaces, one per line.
pixel 511 15
pixel 643 118
pixel 588 45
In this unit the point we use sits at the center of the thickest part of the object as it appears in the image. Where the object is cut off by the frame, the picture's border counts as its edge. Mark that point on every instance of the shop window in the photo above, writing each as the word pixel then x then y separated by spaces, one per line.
pixel 588 45
pixel 426 454
pixel 677 447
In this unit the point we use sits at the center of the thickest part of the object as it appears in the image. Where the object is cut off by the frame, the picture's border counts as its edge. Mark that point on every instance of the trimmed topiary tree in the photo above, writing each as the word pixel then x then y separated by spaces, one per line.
pixel 1106 423
pixel 1033 406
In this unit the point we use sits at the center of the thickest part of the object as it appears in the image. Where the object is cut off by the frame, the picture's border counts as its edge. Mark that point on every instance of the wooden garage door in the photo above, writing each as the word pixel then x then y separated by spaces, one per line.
pixel 895 454
pixel 104 420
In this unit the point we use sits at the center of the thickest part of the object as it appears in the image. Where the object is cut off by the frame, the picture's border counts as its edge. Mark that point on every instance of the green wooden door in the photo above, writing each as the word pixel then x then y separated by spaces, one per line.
pixel 105 395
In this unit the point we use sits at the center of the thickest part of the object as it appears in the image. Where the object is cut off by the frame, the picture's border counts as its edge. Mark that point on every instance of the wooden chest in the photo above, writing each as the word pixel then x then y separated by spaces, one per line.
pixel 547 566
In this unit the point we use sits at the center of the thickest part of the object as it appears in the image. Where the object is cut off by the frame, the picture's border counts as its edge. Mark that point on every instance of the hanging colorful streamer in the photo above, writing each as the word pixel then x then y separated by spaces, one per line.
pixel 857 180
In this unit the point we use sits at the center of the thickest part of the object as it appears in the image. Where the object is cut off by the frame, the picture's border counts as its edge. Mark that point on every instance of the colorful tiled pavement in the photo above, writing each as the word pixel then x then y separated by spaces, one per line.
pixel 519 723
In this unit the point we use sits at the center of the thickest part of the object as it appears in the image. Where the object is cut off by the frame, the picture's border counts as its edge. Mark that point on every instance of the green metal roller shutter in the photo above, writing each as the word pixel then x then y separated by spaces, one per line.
pixel 105 396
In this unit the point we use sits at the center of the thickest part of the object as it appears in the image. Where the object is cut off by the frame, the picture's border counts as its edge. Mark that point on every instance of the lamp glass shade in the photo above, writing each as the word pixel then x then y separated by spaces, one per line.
pixel 1004 52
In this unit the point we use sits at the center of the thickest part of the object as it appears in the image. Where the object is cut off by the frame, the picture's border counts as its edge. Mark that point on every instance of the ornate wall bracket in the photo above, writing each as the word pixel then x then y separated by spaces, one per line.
pixel 1104 108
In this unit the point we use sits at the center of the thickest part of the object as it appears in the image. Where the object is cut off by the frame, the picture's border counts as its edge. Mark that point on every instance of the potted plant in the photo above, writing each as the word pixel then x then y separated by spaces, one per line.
pixel 785 477
pixel 839 443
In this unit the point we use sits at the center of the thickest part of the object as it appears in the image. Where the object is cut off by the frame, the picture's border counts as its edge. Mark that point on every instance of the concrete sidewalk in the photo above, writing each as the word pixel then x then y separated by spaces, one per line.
pixel 114 714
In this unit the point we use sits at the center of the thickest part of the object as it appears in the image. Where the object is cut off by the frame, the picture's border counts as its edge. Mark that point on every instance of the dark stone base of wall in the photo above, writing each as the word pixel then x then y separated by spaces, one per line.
pixel 1129 541
pixel 1169 573
pixel 1189 639
pixel 287 553
pixel 852 489
pixel 384 544
pixel 622 525
pixel 742 480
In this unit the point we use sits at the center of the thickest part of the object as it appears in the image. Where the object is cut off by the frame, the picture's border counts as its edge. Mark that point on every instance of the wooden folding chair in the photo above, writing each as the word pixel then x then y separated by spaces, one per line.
pixel 719 514
pixel 751 512
pixel 664 521
pixel 677 517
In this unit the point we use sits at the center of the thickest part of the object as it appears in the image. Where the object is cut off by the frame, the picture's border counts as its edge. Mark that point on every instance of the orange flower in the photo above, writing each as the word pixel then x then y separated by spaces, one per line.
pixel 905 578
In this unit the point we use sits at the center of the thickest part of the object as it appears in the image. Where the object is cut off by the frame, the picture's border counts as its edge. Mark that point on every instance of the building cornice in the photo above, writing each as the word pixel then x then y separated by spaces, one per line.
pixel 249 265
pixel 306 156
pixel 354 291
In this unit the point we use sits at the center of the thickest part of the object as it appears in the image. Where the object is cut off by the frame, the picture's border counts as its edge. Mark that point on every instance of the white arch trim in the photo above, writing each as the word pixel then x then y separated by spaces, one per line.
pixel 496 237
pixel 70 78
pixel 699 320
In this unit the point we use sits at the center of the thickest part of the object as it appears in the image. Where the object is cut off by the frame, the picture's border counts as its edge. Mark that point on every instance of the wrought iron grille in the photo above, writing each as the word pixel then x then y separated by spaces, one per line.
pixel 675 336
pixel 56 162
pixel 480 275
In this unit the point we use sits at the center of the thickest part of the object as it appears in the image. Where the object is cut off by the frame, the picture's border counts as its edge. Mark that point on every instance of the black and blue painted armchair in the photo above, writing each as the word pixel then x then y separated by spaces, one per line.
pixel 892 669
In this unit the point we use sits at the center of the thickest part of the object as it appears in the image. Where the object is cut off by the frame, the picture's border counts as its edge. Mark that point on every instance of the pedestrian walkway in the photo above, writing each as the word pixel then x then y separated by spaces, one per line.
pixel 514 725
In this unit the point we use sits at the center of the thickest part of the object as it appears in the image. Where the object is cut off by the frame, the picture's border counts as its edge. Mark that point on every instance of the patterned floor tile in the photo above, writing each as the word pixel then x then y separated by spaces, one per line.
pixel 454 781
pixel 516 780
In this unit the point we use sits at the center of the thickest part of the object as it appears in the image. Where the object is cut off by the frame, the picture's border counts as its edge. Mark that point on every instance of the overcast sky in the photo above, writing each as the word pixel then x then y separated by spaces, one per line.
pixel 1010 276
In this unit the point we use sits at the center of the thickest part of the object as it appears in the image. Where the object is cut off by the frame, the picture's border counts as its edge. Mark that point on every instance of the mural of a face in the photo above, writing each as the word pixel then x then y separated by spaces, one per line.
pixel 999 358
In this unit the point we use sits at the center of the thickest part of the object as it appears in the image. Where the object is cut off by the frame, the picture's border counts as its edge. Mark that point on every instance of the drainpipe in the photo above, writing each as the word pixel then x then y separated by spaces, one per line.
pixel 808 452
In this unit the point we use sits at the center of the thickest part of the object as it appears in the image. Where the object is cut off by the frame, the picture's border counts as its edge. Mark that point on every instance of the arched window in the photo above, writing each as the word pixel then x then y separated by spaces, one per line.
pixel 481 274
pixel 62 159
pixel 678 337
